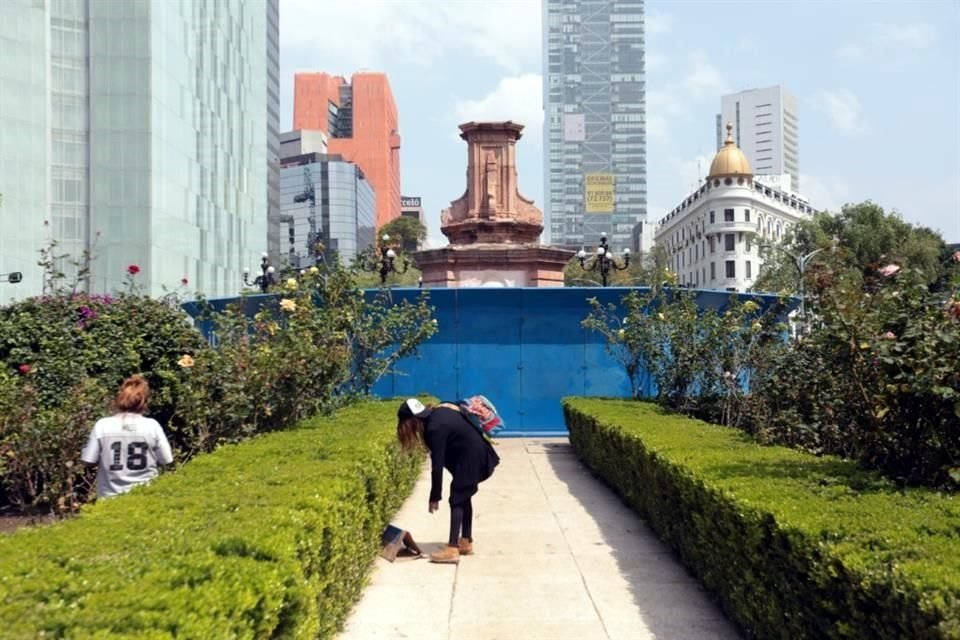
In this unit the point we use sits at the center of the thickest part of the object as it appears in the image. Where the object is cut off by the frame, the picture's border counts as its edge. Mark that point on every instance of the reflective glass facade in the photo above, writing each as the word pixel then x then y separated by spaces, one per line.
pixel 341 213
pixel 595 123
pixel 156 138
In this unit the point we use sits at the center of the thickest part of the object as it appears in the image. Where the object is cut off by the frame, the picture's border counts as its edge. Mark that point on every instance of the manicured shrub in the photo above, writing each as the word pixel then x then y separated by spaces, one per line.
pixel 792 545
pixel 269 538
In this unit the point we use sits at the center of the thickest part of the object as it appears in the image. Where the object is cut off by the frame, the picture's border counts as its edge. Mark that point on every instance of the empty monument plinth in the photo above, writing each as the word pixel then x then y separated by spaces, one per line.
pixel 493 230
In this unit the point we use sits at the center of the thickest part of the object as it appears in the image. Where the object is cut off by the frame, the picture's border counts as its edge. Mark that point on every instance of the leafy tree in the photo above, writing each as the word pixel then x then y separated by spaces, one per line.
pixel 405 232
pixel 868 238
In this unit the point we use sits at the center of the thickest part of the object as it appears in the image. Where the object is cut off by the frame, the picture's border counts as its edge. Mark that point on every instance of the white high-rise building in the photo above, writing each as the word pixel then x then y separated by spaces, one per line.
pixel 766 129
pixel 138 131
pixel 594 123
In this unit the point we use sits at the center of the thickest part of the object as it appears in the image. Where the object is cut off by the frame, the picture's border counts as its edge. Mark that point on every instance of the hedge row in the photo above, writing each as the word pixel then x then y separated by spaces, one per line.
pixel 266 539
pixel 792 545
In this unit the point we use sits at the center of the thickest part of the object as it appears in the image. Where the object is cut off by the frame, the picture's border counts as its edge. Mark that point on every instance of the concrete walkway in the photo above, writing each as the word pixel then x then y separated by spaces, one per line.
pixel 558 556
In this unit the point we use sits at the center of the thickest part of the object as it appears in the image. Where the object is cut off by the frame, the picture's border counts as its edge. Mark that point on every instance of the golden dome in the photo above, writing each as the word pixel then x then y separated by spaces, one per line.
pixel 729 161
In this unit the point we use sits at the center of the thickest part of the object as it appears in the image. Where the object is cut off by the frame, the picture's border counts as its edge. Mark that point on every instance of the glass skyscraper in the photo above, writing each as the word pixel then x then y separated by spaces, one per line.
pixel 325 199
pixel 136 130
pixel 594 123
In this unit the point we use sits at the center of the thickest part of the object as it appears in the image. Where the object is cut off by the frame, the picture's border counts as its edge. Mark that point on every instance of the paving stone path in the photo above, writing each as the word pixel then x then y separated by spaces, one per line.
pixel 558 556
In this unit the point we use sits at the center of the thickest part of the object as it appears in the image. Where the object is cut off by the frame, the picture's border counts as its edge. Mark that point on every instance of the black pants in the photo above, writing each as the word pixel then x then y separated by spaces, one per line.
pixel 461 521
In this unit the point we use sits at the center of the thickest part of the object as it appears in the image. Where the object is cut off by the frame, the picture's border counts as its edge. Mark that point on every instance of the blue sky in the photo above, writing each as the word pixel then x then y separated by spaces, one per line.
pixel 878 86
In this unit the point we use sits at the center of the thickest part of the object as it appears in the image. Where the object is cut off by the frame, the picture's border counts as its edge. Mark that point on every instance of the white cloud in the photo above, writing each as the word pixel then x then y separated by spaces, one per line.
pixel 700 82
pixel 825 192
pixel 657 23
pixel 373 33
pixel 843 109
pixel 886 44
pixel 518 98
pixel 655 61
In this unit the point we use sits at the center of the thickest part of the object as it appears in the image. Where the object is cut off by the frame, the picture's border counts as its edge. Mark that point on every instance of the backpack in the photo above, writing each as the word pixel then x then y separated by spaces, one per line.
pixel 482 414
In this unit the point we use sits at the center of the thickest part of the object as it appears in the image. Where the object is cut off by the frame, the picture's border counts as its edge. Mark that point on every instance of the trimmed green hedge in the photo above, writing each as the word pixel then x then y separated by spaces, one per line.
pixel 266 539
pixel 793 545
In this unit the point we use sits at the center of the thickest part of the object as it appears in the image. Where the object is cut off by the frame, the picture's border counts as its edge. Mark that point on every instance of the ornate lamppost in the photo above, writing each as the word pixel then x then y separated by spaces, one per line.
pixel 800 262
pixel 385 264
pixel 603 261
pixel 266 277
pixel 13 277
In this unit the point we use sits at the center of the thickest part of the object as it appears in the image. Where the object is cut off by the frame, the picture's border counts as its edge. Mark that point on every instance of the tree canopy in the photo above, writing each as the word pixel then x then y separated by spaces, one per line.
pixel 868 237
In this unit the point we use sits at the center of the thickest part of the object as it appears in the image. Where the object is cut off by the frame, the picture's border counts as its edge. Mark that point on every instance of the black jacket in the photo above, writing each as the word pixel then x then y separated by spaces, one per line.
pixel 456 445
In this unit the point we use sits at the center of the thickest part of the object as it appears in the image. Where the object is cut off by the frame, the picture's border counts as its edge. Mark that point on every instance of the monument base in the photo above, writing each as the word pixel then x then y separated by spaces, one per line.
pixel 493 265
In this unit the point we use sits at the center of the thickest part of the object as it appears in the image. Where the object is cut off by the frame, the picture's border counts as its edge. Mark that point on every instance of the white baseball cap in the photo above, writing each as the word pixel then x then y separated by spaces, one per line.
pixel 412 408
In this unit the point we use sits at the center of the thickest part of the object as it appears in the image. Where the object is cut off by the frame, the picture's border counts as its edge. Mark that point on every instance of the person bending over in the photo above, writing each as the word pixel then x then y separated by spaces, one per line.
pixel 456 445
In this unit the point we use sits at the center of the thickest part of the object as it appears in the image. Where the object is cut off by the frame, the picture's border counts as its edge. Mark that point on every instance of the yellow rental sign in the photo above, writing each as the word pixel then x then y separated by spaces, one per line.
pixel 598 192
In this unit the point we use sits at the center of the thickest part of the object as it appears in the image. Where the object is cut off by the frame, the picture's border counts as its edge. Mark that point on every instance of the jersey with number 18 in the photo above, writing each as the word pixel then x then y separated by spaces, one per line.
pixel 127 448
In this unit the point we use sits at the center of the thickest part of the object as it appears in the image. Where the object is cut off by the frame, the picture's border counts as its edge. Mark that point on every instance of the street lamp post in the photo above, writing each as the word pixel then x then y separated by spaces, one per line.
pixel 385 264
pixel 800 262
pixel 13 277
pixel 266 277
pixel 603 260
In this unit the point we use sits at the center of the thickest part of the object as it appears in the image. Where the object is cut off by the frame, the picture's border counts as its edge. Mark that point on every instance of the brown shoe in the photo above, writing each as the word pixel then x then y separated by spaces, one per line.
pixel 448 555
pixel 465 546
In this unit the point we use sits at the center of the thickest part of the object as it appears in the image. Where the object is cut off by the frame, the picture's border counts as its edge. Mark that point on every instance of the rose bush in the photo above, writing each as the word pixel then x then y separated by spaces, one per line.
pixel 874 377
pixel 320 343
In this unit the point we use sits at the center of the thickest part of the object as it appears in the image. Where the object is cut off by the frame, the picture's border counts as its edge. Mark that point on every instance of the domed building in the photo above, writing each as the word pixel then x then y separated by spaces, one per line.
pixel 712 237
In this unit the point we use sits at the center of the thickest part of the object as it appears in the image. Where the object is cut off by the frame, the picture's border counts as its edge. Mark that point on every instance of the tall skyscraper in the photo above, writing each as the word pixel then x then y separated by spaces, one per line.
pixel 361 123
pixel 594 100
pixel 766 129
pixel 273 125
pixel 136 130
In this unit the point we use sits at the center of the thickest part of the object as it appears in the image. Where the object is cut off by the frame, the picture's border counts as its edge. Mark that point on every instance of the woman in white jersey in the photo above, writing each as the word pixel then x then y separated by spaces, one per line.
pixel 126 447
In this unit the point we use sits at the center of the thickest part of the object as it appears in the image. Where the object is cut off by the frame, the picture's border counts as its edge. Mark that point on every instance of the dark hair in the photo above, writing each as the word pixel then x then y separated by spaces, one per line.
pixel 132 396
pixel 410 433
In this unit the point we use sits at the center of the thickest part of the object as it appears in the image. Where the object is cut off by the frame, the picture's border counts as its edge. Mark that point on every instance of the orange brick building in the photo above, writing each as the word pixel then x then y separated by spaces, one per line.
pixel 360 120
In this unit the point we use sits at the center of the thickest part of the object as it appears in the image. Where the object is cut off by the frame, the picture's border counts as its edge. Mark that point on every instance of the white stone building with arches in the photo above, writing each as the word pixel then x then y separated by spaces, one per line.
pixel 712 239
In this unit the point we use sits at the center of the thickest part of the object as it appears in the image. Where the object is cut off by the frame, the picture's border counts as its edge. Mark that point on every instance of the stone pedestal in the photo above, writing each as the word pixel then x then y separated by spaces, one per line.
pixel 493 230
pixel 493 265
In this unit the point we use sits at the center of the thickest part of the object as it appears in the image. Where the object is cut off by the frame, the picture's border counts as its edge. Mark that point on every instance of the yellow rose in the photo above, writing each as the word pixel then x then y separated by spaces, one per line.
pixel 292 284
pixel 288 305
pixel 314 270
pixel 185 361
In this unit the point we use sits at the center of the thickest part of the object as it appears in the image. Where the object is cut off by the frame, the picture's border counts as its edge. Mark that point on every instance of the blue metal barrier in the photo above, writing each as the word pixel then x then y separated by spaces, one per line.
pixel 522 348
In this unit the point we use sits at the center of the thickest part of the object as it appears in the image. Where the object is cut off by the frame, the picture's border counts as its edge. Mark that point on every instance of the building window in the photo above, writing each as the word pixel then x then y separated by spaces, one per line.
pixel 711 217
pixel 731 268
pixel 746 215
pixel 713 270
pixel 729 242
pixel 728 215
pixel 748 242
pixel 749 272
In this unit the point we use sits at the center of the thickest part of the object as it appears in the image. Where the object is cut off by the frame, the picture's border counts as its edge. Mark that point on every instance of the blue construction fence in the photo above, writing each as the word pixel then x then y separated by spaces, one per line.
pixel 524 348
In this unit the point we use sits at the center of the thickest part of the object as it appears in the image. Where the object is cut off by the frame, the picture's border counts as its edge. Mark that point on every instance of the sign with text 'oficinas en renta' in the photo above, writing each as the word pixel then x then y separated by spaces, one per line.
pixel 598 192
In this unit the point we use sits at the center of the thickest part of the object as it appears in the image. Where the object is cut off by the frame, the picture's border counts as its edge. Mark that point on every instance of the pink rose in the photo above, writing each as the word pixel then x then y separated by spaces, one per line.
pixel 24 369
pixel 889 270
pixel 889 335
pixel 133 269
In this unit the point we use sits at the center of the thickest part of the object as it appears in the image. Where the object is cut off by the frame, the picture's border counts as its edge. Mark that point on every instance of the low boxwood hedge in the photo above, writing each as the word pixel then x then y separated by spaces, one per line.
pixel 266 539
pixel 792 545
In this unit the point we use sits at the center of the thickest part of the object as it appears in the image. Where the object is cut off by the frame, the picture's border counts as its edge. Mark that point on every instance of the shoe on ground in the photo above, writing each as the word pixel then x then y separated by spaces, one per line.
pixel 447 555
pixel 465 546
